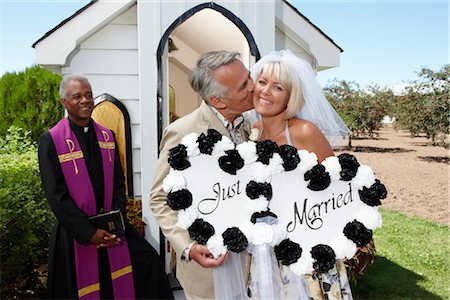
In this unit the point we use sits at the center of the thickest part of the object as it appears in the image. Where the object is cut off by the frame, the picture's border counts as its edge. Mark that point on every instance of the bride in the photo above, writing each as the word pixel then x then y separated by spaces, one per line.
pixel 293 110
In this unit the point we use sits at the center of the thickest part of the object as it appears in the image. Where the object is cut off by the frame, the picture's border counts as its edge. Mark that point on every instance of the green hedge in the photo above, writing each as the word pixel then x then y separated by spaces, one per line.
pixel 25 221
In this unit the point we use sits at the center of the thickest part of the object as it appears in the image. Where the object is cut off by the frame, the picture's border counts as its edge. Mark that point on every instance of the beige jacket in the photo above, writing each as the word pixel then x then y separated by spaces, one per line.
pixel 194 279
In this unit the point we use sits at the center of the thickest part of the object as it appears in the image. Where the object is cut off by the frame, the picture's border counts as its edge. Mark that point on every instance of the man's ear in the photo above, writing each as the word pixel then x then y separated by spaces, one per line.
pixel 63 102
pixel 216 102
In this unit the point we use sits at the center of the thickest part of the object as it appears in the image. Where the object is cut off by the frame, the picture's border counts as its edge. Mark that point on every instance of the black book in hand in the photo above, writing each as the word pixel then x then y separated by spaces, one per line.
pixel 111 221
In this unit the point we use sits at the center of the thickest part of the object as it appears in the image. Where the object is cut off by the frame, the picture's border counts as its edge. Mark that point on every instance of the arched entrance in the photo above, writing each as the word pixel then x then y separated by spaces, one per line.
pixel 205 27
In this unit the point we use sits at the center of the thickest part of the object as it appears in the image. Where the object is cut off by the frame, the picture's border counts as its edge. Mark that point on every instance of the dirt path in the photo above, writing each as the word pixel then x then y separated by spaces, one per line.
pixel 416 175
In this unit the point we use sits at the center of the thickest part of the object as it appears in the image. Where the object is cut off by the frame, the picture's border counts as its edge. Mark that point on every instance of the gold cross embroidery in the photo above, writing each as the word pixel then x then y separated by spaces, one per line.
pixel 107 144
pixel 71 156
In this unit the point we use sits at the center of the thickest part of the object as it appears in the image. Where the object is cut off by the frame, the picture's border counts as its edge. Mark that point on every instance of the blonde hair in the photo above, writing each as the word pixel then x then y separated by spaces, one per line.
pixel 286 75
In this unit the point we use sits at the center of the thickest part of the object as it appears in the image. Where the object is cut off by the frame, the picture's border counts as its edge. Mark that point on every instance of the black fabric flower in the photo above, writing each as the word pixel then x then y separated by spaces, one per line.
pixel 288 252
pixel 290 157
pixel 358 233
pixel 349 166
pixel 235 240
pixel 180 199
pixel 265 150
pixel 324 257
pixel 200 231
pixel 319 178
pixel 255 189
pixel 262 214
pixel 178 158
pixel 371 196
pixel 206 142
pixel 231 162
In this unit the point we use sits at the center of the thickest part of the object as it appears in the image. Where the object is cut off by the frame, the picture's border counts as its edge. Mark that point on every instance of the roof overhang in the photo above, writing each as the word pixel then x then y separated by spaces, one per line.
pixel 295 25
pixel 55 47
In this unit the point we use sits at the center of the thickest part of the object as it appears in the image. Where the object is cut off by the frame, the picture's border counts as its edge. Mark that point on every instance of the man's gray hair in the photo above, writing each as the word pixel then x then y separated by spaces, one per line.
pixel 69 78
pixel 201 77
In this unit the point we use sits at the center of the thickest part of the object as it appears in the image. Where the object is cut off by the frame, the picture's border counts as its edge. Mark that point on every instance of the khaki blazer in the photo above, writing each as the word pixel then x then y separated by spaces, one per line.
pixel 194 279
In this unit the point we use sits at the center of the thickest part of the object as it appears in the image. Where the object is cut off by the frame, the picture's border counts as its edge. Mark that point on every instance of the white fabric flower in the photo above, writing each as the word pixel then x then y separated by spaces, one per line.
pixel 279 234
pixel 255 133
pixel 276 164
pixel 304 264
pixel 174 181
pixel 223 145
pixel 343 247
pixel 364 177
pixel 186 217
pixel 247 229
pixel 370 217
pixel 190 141
pixel 307 160
pixel 256 205
pixel 215 245
pixel 333 167
pixel 261 172
pixel 262 234
pixel 247 151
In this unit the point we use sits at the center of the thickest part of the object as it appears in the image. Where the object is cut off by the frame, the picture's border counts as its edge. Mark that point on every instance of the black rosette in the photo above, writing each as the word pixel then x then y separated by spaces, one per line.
pixel 290 157
pixel 235 240
pixel 324 257
pixel 206 142
pixel 371 196
pixel 180 199
pixel 178 158
pixel 231 162
pixel 200 231
pixel 349 165
pixel 288 252
pixel 255 189
pixel 358 233
pixel 265 150
pixel 319 178
pixel 262 214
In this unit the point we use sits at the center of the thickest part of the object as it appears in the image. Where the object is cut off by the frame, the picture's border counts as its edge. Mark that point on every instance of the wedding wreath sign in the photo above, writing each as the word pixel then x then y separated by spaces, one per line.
pixel 228 196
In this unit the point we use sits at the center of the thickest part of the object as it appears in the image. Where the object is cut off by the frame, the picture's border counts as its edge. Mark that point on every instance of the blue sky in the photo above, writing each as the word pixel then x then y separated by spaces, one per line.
pixel 384 42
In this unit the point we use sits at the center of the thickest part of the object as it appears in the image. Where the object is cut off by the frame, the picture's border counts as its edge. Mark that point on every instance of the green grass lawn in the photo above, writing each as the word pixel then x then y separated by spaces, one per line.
pixel 412 260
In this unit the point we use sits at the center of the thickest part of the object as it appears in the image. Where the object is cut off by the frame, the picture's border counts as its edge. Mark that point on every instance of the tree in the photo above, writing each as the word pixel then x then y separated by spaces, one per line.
pixel 424 107
pixel 362 111
pixel 30 100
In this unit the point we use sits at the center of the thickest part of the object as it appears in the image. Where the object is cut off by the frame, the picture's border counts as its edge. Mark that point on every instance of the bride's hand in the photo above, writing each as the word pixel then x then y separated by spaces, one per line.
pixel 204 258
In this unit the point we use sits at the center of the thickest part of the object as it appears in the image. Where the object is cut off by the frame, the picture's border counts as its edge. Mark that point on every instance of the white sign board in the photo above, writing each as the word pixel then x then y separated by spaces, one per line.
pixel 306 216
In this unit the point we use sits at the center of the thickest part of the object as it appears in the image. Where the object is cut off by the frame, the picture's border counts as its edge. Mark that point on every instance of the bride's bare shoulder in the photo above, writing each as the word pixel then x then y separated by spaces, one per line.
pixel 303 127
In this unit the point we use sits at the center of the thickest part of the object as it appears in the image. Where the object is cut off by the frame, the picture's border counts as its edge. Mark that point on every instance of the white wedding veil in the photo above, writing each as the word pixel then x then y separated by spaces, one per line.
pixel 316 107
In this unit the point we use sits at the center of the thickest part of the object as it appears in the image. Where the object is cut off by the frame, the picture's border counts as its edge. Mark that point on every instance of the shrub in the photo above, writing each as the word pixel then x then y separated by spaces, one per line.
pixel 25 217
pixel 16 141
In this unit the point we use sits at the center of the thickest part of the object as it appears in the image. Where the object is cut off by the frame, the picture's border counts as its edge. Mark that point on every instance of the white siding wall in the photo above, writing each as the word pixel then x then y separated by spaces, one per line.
pixel 284 41
pixel 109 59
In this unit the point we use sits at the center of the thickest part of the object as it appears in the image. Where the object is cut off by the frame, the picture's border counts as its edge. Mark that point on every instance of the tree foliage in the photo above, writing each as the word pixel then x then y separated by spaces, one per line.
pixel 424 106
pixel 362 111
pixel 30 100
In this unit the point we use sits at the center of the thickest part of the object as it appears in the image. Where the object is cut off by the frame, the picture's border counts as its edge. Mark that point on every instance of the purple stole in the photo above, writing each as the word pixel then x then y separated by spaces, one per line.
pixel 80 188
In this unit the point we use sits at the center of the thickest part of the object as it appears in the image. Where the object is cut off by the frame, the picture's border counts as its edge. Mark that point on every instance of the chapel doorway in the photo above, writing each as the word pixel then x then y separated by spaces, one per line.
pixel 205 27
